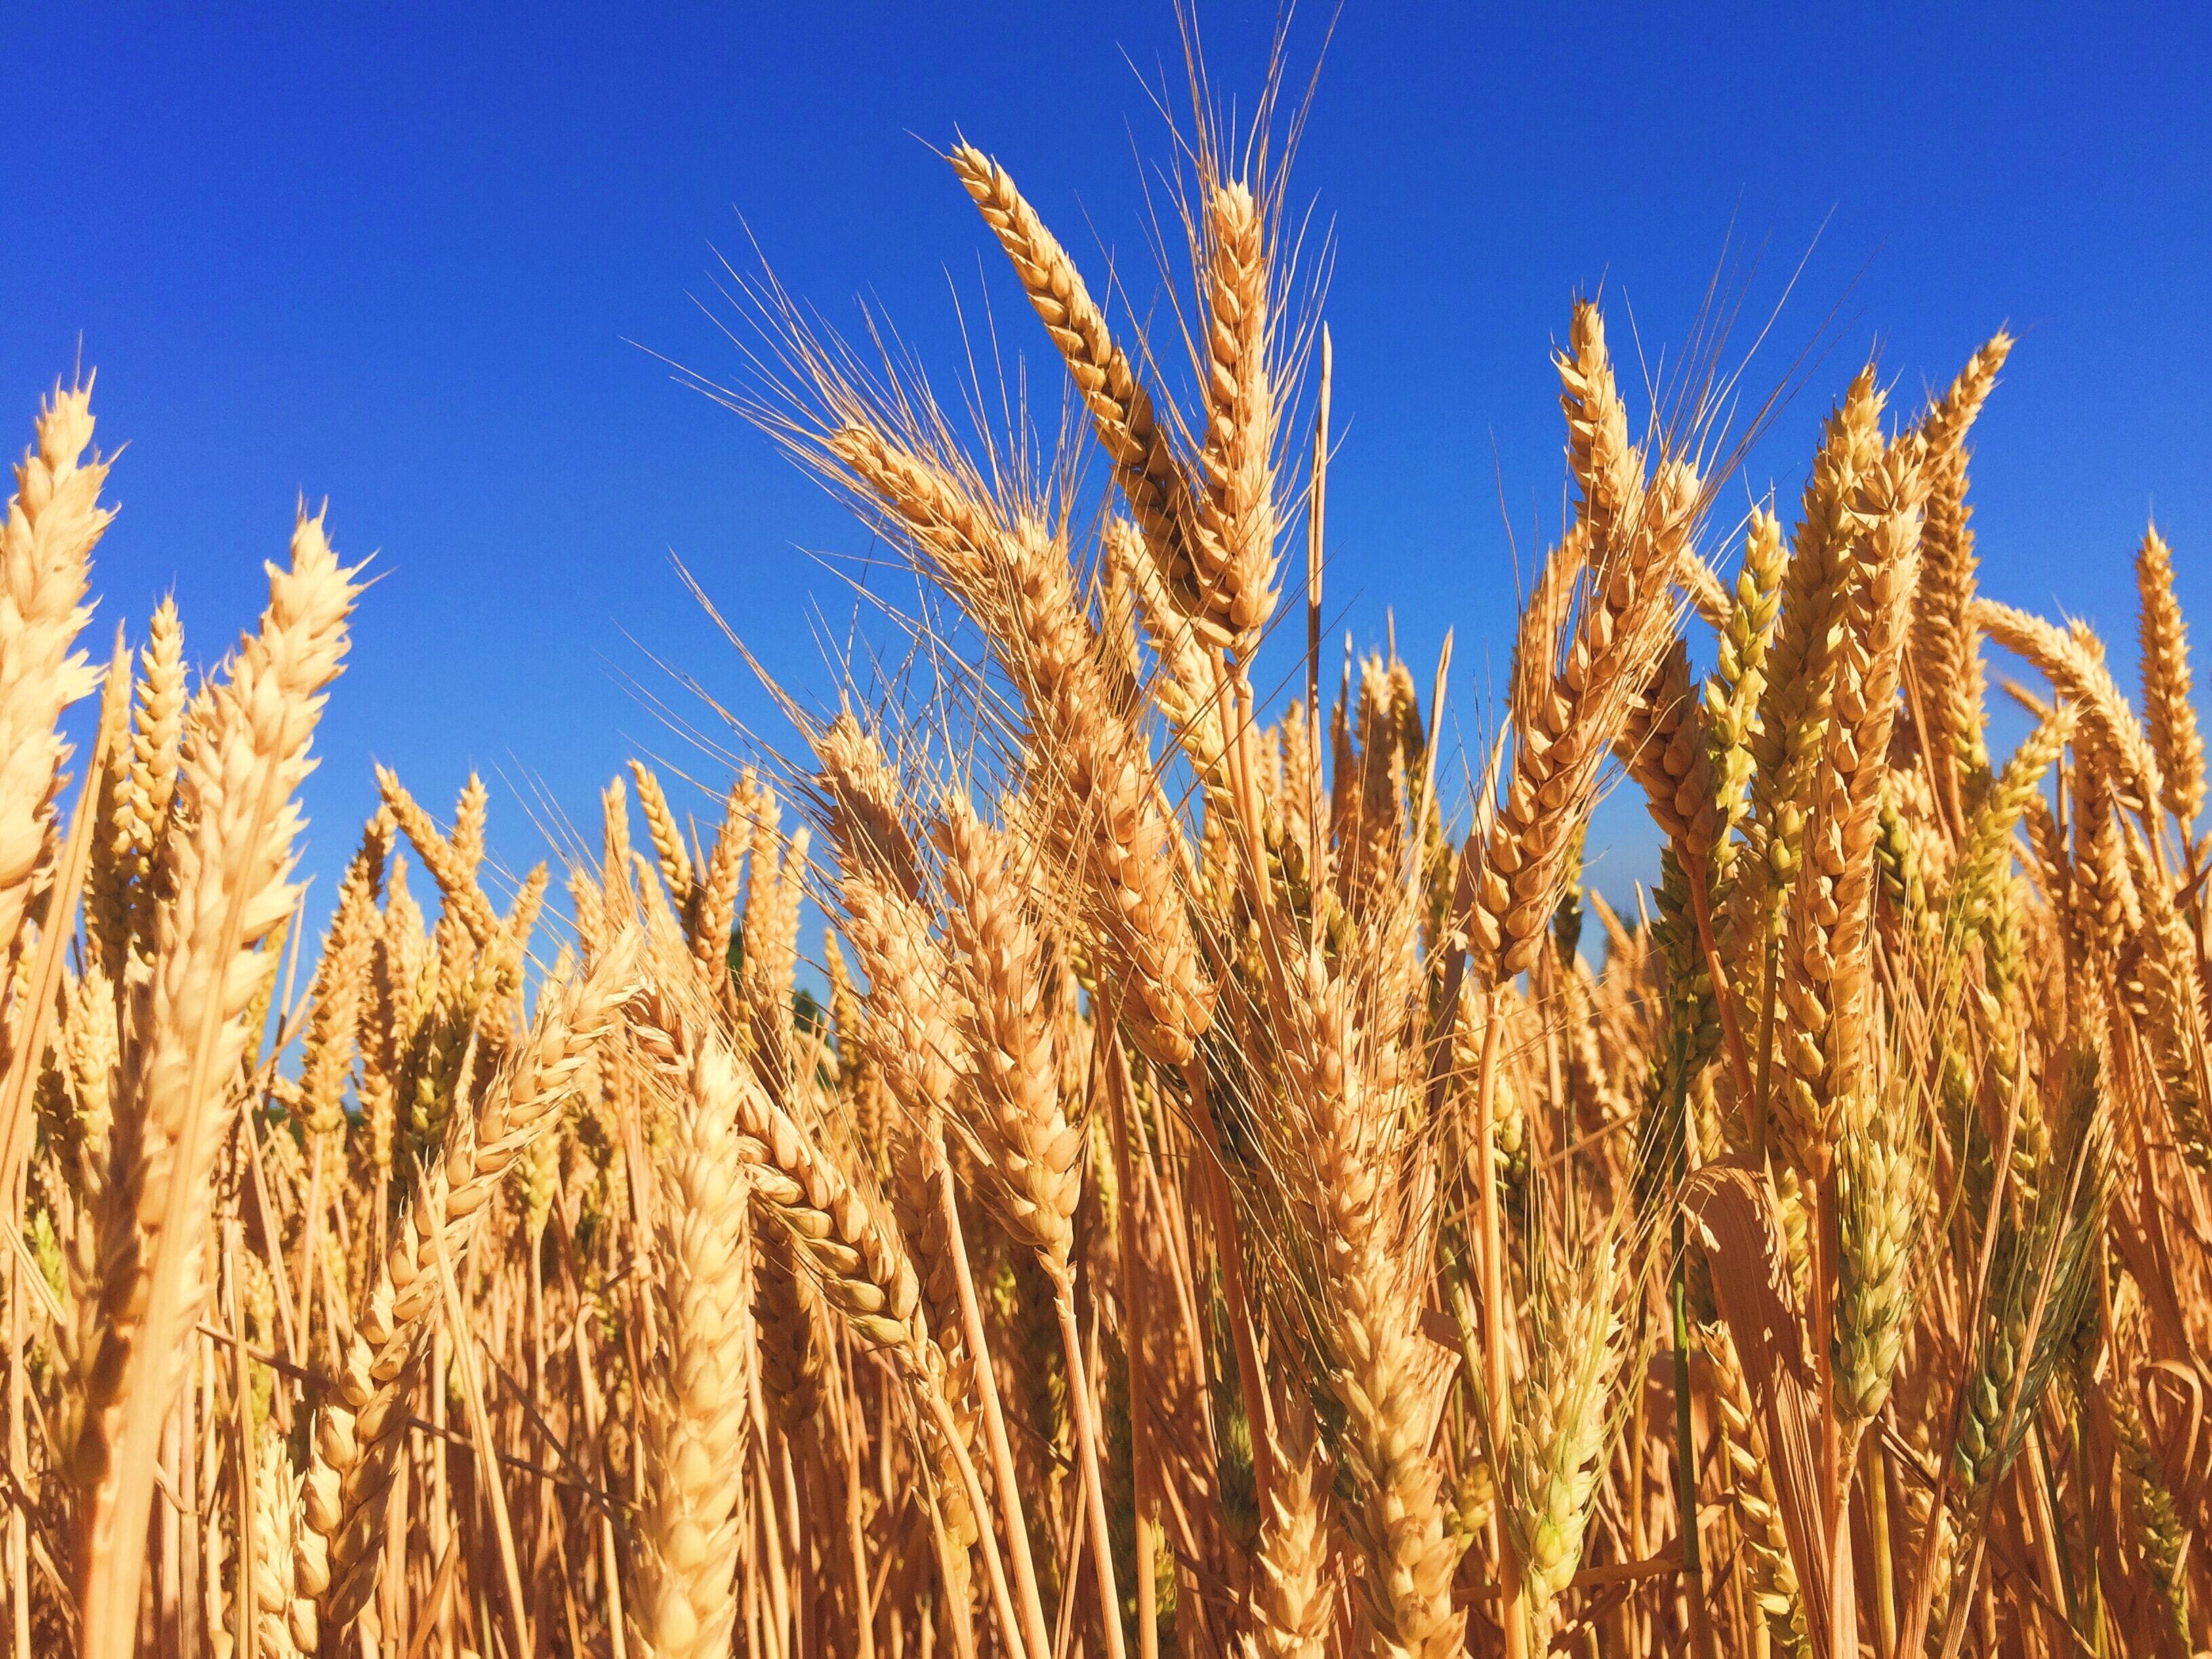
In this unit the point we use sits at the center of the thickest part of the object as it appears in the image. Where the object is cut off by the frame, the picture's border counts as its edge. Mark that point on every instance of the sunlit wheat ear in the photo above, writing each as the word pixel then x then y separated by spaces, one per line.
pixel 341 983
pixel 910 1023
pixel 1794 713
pixel 698 1405
pixel 714 901
pixel 1292 1602
pixel 1152 479
pixel 275 1528
pixel 1772 1575
pixel 1577 678
pixel 1664 745
pixel 1559 1420
pixel 2076 670
pixel 2168 709
pixel 1234 546
pixel 1732 695
pixel 668 848
pixel 1883 1196
pixel 1380 1372
pixel 1827 988
pixel 2166 994
pixel 127 883
pixel 1032 1147
pixel 232 852
pixel 54 520
pixel 1944 659
pixel 846 1243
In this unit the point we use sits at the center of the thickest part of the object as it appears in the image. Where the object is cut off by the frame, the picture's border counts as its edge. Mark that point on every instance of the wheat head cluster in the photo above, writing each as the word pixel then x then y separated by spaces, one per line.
pixel 1242 1196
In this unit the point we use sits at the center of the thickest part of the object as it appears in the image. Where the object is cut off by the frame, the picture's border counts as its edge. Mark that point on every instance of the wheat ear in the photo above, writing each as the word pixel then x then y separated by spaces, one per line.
pixel 174 1103
pixel 54 518
pixel 1036 1153
pixel 1145 463
pixel 1944 661
pixel 1033 1149
pixel 449 866
pixel 276 1607
pixel 1574 713
pixel 2076 668
pixel 1234 542
pixel 685 1543
pixel 1553 1462
pixel 123 905
pixel 1292 1608
pixel 1378 1373
pixel 1794 711
pixel 2167 708
pixel 2160 1536
pixel 1827 988
pixel 1773 1576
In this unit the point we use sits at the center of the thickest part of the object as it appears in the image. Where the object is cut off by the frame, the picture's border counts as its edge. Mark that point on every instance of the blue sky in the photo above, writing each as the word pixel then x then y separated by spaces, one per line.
pixel 396 260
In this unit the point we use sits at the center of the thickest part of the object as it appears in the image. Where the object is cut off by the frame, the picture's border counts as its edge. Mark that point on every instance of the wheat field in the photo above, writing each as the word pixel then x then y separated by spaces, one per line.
pixel 1241 1196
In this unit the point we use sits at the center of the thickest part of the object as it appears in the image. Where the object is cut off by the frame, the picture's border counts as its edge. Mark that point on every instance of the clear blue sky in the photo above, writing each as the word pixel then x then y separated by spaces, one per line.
pixel 395 262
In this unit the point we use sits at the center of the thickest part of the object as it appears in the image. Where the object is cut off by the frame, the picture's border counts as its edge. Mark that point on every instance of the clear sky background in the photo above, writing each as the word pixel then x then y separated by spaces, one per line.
pixel 396 261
